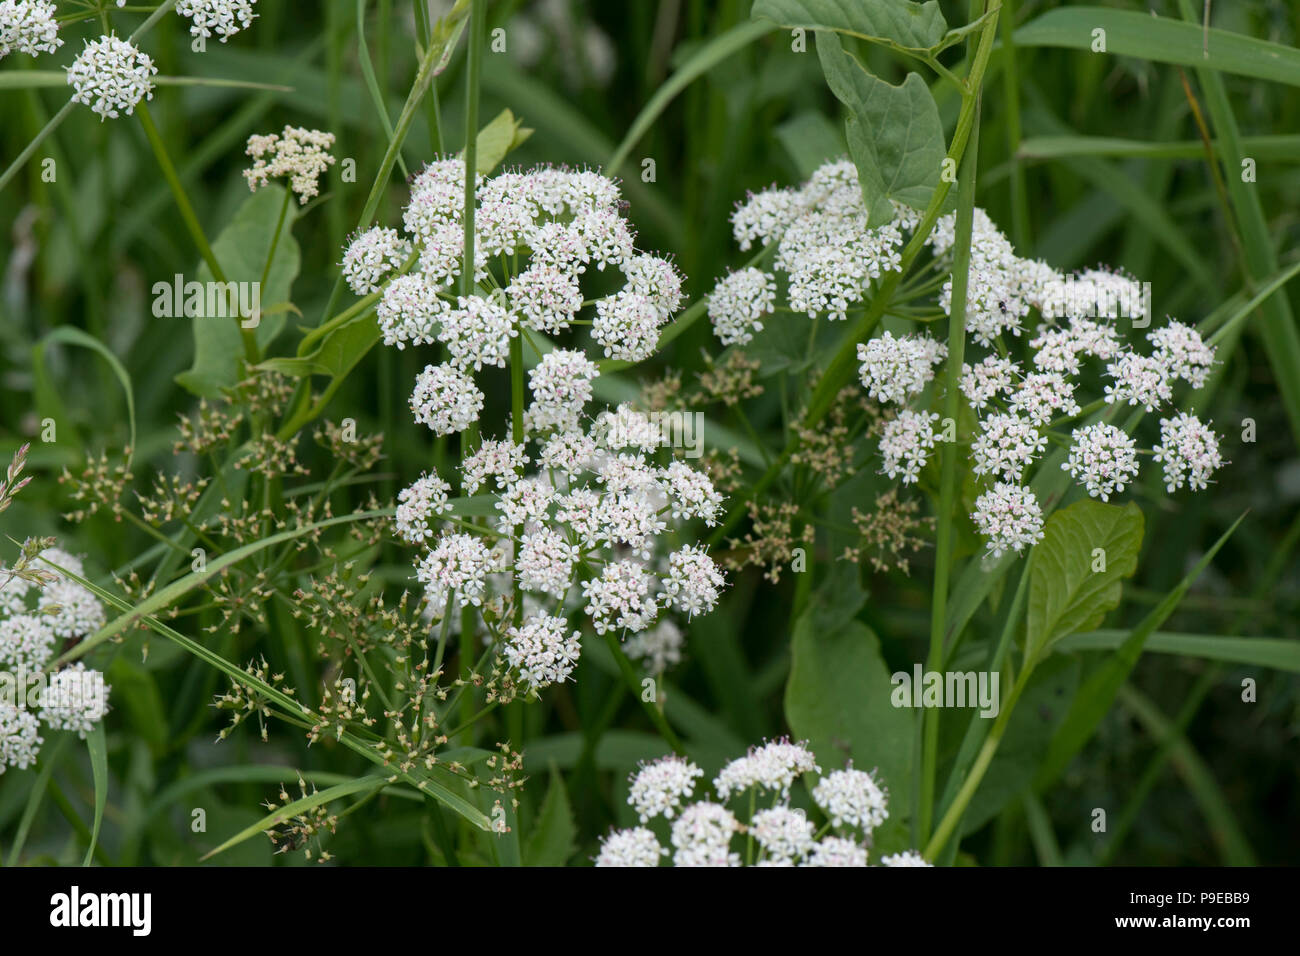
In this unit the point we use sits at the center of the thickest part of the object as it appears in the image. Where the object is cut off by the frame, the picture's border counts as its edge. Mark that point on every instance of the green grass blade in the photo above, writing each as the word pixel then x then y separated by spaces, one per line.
pixel 1281 147
pixel 290 810
pixel 1209 797
pixel 71 335
pixel 1163 40
pixel 99 769
pixel 1276 653
pixel 1098 692
pixel 704 59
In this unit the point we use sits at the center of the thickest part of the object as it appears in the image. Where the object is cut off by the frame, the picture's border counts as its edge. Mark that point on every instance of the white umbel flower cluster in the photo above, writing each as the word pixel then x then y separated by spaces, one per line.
pixel 28 26
pixel 593 532
pixel 537 234
pixel 1102 459
pixel 706 830
pixel 34 622
pixel 829 256
pixel 659 788
pixel 111 75
pixel 225 18
pixel 1189 450
pixel 895 369
pixel 299 155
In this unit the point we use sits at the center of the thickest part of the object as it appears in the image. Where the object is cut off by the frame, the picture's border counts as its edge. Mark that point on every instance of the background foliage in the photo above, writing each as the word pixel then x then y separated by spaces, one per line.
pixel 1084 159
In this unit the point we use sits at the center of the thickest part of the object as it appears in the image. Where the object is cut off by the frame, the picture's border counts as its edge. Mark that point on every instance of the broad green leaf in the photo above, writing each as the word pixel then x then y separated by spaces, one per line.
pixel 838 699
pixel 1129 33
pixel 552 841
pixel 242 249
pixel 900 23
pixel 894 133
pixel 338 353
pixel 497 139
pixel 98 748
pixel 1098 692
pixel 1074 577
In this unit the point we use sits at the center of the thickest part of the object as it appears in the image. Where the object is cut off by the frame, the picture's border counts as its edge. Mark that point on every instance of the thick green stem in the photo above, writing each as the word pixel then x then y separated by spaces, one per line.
pixel 950 453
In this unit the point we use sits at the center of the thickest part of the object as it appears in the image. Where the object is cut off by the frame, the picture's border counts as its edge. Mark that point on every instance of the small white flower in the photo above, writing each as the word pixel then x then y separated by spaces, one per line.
pixel 497 459
pixel 633 847
pixel 1005 446
pixel 1103 458
pixel 658 648
pixel 477 333
pixel 773 766
pixel 370 256
pixel 785 833
pixel 460 563
pixel 418 505
pixel 561 386
pixel 837 851
pixel 547 299
pixel 739 302
pixel 619 598
pixel 73 611
pixel 26 641
pixel 984 381
pixel 693 583
pixel 657 279
pixel 28 26
pixel 659 787
pixel 409 311
pixel 693 494
pixel 893 370
pixel 627 326
pixel 111 75
pixel 852 797
pixel 1139 380
pixel 20 739
pixel 1042 396
pixel 1009 517
pixel 224 17
pixel 445 399
pixel 1189 449
pixel 905 444
pixel 544 650
pixel 702 835
pixel 1180 349
pixel 75 699
pixel 545 562
pixel 906 858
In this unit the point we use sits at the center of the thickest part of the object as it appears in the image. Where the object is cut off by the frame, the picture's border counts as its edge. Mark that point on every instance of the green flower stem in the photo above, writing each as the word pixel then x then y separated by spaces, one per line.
pixel 840 370
pixel 275 237
pixel 950 819
pixel 634 685
pixel 950 453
